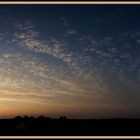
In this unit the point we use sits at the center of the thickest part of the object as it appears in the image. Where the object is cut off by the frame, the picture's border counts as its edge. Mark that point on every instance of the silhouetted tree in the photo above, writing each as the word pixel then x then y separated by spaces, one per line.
pixel 47 118
pixel 18 118
pixel 32 118
pixel 62 117
pixel 41 118
pixel 26 117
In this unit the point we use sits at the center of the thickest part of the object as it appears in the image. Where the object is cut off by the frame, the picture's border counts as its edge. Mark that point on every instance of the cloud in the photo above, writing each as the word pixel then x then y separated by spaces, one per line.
pixel 28 39
pixel 71 32
pixel 69 28
pixel 138 41
pixel 64 21
pixel 26 25
pixel 97 70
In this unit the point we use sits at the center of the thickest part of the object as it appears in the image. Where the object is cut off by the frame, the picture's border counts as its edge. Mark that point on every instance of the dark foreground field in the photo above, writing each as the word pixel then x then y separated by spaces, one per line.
pixel 62 126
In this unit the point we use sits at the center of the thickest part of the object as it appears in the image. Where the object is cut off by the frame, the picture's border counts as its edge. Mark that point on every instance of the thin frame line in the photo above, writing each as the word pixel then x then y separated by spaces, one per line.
pixel 69 2
pixel 78 137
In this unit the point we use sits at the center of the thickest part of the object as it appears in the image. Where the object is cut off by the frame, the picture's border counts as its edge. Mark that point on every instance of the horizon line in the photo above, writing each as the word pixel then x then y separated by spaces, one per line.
pixel 66 117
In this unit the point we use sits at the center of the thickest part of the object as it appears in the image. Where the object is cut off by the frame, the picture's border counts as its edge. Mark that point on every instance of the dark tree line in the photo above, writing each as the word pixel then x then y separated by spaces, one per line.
pixel 46 126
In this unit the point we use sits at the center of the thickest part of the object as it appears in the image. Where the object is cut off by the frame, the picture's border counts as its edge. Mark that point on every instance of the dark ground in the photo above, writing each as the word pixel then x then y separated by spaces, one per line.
pixel 42 126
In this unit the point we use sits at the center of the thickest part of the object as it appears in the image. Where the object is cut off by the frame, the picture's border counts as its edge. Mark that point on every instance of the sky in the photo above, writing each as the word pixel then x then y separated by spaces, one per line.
pixel 81 61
